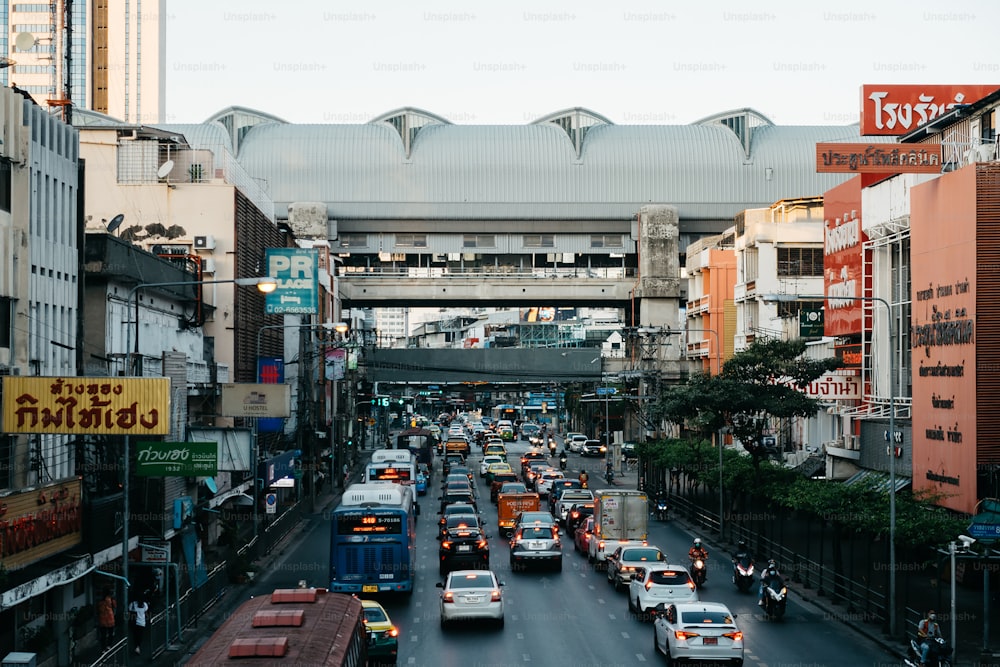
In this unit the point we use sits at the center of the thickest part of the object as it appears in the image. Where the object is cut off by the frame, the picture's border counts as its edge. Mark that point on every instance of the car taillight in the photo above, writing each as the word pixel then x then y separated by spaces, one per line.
pixel 649 584
pixel 735 636
pixel 495 595
pixel 600 546
pixel 682 635
pixel 393 631
pixel 482 544
pixel 446 545
pixel 691 585
pixel 448 597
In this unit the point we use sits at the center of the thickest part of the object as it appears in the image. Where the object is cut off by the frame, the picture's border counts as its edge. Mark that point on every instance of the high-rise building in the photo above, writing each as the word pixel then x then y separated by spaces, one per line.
pixel 117 50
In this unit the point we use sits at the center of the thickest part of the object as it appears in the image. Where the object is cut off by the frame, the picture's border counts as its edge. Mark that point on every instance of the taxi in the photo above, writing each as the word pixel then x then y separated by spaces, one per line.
pixel 384 644
pixel 495 468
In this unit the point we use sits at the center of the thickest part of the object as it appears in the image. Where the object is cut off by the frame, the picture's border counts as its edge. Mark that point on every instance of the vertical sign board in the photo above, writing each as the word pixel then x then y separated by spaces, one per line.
pixel 843 260
pixel 336 362
pixel 296 271
pixel 270 370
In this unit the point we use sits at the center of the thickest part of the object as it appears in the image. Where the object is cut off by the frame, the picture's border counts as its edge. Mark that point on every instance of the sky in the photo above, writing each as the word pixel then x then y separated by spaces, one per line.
pixel 634 62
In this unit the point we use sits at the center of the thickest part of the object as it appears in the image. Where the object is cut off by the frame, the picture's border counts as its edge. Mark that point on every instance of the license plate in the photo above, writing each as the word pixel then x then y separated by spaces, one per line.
pixel 536 545
pixel 473 599
pixel 369 588
pixel 465 547
pixel 710 641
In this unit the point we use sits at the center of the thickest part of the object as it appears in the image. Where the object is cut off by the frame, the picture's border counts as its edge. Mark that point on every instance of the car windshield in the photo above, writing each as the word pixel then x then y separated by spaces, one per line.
pixel 459 508
pixel 472 580
pixel 705 617
pixel 669 577
pixel 536 533
pixel 375 615
pixel 642 554
pixel 511 487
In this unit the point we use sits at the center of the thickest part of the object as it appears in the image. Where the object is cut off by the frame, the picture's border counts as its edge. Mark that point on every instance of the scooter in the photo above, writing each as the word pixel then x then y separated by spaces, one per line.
pixel 743 573
pixel 698 572
pixel 774 600
pixel 562 462
pixel 938 656
pixel 661 509
pixel 552 447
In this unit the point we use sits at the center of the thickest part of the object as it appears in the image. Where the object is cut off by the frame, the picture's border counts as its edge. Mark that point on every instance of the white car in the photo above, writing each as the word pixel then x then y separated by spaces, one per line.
pixel 544 483
pixel 471 595
pixel 574 441
pixel 658 583
pixel 487 460
pixel 698 631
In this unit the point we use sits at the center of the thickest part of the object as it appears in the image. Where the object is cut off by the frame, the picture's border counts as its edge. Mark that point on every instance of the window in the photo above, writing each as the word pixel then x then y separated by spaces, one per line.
pixel 479 241
pixel 5 185
pixel 539 241
pixel 800 261
pixel 792 308
pixel 353 240
pixel 606 241
pixel 411 240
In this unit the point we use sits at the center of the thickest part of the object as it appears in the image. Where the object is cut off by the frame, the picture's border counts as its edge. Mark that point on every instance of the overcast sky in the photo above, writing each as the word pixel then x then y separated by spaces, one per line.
pixel 636 62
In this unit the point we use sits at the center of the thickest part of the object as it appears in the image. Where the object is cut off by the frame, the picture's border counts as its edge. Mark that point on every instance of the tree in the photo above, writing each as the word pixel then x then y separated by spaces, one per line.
pixel 763 382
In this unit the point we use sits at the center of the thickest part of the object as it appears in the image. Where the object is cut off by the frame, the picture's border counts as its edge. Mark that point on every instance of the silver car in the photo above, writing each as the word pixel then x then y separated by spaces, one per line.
pixel 535 543
pixel 658 583
pixel 471 595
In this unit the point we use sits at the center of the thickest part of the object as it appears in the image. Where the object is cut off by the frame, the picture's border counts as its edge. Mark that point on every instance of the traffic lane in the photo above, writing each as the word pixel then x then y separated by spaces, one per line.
pixel 806 635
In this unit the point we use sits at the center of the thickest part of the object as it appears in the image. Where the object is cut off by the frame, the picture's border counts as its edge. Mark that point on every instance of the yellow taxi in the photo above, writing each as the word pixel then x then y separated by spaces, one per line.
pixel 495 450
pixel 384 644
pixel 494 468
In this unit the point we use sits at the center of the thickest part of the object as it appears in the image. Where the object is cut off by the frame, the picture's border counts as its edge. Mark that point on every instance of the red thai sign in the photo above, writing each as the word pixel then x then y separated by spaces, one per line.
pixel 900 109
pixel 838 158
pixel 843 260
pixel 39 523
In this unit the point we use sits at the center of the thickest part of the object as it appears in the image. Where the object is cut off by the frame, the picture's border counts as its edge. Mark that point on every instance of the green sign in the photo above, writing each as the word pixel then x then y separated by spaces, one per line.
pixel 176 459
pixel 810 323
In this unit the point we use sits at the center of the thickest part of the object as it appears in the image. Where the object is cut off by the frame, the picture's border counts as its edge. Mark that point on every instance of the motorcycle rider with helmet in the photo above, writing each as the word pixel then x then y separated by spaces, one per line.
pixel 695 553
pixel 743 555
pixel 769 577
pixel 562 460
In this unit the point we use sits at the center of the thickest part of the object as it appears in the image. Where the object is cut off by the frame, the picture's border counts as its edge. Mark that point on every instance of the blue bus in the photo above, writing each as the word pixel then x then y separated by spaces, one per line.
pixel 373 539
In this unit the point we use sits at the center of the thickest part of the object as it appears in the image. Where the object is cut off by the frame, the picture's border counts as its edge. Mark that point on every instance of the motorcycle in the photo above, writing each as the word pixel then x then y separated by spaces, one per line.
pixel 774 599
pixel 743 573
pixel 661 509
pixel 562 462
pixel 552 447
pixel 698 572
pixel 939 654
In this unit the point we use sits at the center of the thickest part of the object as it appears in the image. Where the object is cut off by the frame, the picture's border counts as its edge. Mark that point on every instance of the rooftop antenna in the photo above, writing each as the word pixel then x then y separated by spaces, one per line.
pixel 116 222
pixel 164 170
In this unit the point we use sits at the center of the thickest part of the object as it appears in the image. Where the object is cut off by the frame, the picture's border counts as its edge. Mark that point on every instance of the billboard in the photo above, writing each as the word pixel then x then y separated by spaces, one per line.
pixel 296 271
pixel 843 259
pixel 842 158
pixel 336 363
pixel 86 405
pixel 40 522
pixel 270 370
pixel 945 252
pixel 900 109
pixel 176 459
pixel 256 400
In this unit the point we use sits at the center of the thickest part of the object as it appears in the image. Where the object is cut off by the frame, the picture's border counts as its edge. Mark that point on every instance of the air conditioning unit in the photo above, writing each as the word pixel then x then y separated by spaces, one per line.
pixel 208 266
pixel 469 256
pixel 204 242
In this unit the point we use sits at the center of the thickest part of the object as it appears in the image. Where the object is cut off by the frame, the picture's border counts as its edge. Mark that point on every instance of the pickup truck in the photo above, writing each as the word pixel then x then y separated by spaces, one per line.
pixel 567 499
pixel 621 517
pixel 510 506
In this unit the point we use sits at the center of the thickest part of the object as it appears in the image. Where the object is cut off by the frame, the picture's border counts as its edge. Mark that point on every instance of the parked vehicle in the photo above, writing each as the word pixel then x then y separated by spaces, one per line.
pixel 621 517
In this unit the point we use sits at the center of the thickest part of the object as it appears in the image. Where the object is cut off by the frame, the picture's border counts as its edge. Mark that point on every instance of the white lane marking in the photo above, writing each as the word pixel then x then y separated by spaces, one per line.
pixel 625 635
pixel 640 657
pixel 600 600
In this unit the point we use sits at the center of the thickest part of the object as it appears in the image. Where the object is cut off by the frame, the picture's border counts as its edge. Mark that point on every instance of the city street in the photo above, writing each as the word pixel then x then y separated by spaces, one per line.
pixel 573 617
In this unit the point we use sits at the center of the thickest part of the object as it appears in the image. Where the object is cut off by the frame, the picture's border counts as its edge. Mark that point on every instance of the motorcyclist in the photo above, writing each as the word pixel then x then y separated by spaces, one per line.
pixel 770 577
pixel 742 552
pixel 562 460
pixel 661 503
pixel 927 631
pixel 583 478
pixel 697 551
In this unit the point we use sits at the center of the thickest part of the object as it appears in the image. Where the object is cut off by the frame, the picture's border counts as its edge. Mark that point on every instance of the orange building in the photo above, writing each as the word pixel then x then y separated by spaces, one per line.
pixel 711 311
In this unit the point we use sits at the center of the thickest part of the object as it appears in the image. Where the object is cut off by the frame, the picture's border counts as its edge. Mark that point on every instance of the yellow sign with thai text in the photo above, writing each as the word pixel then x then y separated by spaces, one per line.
pixel 82 405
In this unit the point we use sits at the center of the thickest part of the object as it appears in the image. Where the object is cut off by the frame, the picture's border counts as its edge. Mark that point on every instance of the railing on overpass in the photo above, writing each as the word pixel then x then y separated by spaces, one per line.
pixel 478 273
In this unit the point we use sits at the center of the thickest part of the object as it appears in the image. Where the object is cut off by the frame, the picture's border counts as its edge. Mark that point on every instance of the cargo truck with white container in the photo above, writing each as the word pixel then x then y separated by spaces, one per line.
pixel 621 517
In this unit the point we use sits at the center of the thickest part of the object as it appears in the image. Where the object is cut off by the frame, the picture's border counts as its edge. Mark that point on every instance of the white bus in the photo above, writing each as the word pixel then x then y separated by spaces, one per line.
pixel 392 465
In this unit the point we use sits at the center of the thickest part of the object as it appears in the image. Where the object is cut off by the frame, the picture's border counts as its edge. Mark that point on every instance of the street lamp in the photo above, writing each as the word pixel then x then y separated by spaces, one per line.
pixel 264 284
pixel 892 432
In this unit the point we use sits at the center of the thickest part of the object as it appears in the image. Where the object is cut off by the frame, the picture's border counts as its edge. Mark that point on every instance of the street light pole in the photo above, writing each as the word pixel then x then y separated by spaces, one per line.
pixel 892 431
pixel 264 284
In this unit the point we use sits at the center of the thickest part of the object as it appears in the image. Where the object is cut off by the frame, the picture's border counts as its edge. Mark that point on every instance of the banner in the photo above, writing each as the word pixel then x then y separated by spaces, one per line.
pixel 86 405
pixel 176 459
pixel 256 400
pixel 270 370
pixel 296 270
pixel 336 363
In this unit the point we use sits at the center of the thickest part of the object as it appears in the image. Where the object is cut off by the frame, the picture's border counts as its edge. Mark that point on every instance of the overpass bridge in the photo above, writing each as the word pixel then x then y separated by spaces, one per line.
pixel 431 287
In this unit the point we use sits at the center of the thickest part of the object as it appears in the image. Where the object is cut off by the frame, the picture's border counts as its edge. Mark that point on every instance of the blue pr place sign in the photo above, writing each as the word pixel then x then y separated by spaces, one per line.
pixel 296 272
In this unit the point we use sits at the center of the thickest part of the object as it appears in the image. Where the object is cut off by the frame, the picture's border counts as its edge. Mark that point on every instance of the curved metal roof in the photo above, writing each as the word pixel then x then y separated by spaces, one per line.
pixel 533 172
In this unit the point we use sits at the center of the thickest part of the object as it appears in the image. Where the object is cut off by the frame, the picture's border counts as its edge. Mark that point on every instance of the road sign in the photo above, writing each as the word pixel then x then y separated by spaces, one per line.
pixel 985 531
pixel 605 391
pixel 271 503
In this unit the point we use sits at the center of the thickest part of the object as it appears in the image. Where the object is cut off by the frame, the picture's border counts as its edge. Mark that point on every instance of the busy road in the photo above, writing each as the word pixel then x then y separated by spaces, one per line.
pixel 573 616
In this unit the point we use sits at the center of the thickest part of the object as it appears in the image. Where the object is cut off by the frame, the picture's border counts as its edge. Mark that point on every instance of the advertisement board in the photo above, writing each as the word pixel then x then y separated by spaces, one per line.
pixel 176 459
pixel 297 271
pixel 86 405
pixel 900 109
pixel 270 370
pixel 843 259
pixel 256 400
pixel 40 522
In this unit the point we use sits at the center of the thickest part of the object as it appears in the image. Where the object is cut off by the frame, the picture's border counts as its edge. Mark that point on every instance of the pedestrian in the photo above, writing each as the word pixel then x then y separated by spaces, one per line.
pixel 107 607
pixel 137 612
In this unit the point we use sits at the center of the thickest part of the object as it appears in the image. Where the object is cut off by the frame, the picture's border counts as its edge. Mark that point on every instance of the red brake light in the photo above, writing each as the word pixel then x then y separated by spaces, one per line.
pixel 682 635
pixel 481 544
pixel 393 631
pixel 735 636
pixel 446 545
pixel 495 596
pixel 448 596
pixel 649 584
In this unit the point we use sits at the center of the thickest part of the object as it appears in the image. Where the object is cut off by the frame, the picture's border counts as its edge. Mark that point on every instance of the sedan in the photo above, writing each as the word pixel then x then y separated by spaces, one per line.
pixel 488 460
pixel 626 560
pixel 535 544
pixel 471 595
pixel 658 583
pixel 698 631
pixel 583 534
pixel 545 481
pixel 383 644
pixel 593 448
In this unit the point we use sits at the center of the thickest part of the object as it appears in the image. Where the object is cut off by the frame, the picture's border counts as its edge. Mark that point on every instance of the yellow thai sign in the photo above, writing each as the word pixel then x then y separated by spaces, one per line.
pixel 86 405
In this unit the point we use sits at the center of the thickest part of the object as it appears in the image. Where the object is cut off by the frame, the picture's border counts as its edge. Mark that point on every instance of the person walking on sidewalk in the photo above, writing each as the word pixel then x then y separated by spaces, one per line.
pixel 107 607
pixel 138 610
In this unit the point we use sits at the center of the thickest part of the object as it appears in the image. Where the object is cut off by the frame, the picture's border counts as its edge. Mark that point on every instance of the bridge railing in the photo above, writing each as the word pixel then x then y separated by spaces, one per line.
pixel 478 273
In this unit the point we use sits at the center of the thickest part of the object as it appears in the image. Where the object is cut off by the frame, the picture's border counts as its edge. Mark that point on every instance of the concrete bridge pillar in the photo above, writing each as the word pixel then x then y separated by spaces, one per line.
pixel 658 291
